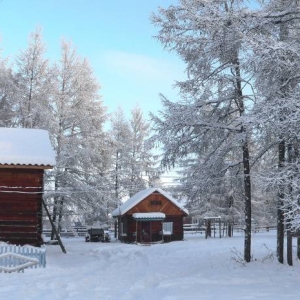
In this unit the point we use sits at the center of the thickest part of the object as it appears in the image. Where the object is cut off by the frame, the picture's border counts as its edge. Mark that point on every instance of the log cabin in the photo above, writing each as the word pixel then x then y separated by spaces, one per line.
pixel 24 156
pixel 150 216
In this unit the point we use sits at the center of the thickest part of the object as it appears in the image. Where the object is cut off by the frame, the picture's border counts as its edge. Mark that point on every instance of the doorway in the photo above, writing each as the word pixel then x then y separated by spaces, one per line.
pixel 145 232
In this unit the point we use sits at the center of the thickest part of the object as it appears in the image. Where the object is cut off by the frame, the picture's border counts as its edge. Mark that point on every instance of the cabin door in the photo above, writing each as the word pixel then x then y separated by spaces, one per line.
pixel 145 232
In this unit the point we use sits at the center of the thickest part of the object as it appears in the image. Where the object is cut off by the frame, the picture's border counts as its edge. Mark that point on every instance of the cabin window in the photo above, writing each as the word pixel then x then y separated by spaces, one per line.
pixel 167 228
pixel 124 228
pixel 155 202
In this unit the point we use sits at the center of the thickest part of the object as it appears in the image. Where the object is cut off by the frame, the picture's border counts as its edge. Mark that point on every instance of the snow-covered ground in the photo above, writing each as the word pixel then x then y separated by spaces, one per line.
pixel 192 269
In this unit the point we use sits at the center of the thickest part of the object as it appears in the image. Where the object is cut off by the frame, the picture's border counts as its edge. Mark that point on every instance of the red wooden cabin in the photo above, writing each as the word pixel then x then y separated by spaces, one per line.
pixel 24 155
pixel 150 216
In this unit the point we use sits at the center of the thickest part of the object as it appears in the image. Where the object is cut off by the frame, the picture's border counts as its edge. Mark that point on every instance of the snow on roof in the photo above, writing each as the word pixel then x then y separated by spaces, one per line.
pixel 212 218
pixel 150 215
pixel 24 146
pixel 134 200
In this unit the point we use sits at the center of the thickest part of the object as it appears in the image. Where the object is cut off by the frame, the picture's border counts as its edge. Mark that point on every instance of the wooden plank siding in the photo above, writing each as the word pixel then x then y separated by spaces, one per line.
pixel 165 206
pixel 21 206
pixel 155 202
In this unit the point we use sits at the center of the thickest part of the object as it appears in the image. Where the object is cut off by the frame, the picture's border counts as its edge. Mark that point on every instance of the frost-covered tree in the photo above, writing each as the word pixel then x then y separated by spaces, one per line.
pixel 208 126
pixel 276 62
pixel 77 134
pixel 134 163
pixel 120 146
pixel 33 84
pixel 7 95
pixel 142 161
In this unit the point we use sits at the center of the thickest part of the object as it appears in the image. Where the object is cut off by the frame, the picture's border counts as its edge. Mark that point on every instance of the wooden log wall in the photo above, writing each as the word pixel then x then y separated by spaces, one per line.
pixel 21 206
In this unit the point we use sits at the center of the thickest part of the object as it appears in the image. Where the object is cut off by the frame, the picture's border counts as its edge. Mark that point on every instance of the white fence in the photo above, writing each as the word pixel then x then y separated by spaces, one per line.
pixel 68 231
pixel 195 227
pixel 17 258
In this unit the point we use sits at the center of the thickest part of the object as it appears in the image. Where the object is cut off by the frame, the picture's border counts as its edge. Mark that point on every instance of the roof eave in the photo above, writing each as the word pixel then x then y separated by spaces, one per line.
pixel 22 166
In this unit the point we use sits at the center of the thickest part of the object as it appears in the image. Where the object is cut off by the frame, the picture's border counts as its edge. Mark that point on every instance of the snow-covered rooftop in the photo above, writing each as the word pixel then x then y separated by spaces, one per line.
pixel 149 216
pixel 138 197
pixel 23 146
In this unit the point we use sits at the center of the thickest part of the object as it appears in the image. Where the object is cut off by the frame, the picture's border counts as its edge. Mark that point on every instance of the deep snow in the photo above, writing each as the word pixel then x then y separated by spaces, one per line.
pixel 192 269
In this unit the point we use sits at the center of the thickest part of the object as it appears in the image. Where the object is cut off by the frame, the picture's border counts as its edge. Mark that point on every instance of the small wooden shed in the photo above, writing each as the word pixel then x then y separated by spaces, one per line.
pixel 24 155
pixel 150 216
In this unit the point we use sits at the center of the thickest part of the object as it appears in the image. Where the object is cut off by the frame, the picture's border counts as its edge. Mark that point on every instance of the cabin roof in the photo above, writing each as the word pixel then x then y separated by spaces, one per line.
pixel 24 146
pixel 138 197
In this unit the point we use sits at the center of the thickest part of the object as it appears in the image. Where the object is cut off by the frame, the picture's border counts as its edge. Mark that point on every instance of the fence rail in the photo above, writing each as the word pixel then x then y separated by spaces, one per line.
pixel 17 258
pixel 193 227
pixel 68 232
pixel 73 231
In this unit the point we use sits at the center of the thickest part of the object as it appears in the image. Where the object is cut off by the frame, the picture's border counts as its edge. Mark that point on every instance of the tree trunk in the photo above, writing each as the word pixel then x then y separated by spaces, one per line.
pixel 117 176
pixel 280 215
pixel 208 229
pixel 247 187
pixel 289 237
pixel 246 163
pixel 60 213
pixel 298 247
pixel 229 229
pixel 289 247
pixel 55 204
pixel 231 218
pixel 54 214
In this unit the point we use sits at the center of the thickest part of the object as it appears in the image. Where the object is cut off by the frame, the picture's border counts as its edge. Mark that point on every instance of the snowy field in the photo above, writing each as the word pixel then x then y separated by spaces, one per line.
pixel 192 269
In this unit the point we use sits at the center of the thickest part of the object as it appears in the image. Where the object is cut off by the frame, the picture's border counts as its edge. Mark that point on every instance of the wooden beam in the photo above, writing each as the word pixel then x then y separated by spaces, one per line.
pixel 54 229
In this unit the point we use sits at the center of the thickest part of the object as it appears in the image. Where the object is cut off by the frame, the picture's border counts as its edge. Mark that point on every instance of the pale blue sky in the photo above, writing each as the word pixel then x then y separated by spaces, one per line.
pixel 116 36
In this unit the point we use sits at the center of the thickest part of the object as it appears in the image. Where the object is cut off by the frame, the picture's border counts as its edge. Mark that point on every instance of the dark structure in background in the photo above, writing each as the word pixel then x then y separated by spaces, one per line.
pixel 150 216
pixel 24 155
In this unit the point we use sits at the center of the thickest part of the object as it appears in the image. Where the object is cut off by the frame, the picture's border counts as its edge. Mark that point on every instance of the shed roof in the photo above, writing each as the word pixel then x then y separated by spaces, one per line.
pixel 24 146
pixel 138 197
pixel 149 216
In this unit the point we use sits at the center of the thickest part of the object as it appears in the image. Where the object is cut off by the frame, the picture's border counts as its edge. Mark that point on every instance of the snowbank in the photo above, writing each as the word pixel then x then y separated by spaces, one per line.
pixel 192 269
